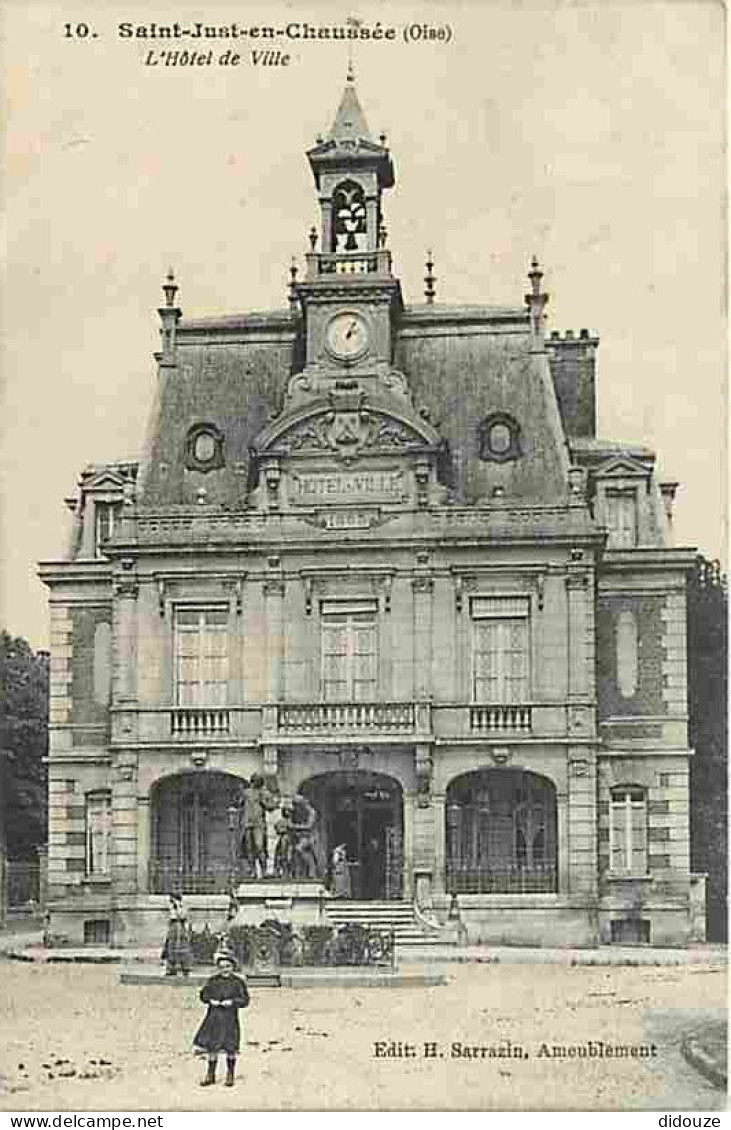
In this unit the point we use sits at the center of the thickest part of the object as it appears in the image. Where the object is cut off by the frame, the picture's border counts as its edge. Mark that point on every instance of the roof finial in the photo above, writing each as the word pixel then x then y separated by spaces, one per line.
pixel 535 275
pixel 170 315
pixel 536 302
pixel 170 288
pixel 293 285
pixel 429 279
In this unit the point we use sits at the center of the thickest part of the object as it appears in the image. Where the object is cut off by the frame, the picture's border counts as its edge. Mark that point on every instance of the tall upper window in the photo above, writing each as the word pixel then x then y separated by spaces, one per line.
pixel 628 831
pixel 349 652
pixel 105 514
pixel 98 832
pixel 622 519
pixel 201 656
pixel 501 649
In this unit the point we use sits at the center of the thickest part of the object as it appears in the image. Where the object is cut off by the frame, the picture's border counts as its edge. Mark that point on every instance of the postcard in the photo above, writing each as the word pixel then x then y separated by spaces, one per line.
pixel 364 592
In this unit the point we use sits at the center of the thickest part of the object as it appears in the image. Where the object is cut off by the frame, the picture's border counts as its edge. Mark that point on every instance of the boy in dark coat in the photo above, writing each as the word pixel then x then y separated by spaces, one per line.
pixel 225 994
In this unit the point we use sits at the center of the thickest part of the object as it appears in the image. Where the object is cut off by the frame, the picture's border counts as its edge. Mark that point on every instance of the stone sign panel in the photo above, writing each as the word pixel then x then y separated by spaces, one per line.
pixel 312 488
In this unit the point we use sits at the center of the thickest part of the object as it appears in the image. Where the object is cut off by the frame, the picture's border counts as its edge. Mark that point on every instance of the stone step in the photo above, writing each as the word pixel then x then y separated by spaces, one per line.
pixel 386 916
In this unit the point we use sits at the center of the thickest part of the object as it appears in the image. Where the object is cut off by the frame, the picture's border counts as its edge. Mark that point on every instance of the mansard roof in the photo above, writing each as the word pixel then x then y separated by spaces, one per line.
pixel 462 365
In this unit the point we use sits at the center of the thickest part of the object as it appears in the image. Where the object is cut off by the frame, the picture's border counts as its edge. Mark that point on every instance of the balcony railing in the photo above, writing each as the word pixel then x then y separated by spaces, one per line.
pixel 348 263
pixel 347 717
pixel 198 722
pixel 213 879
pixel 513 879
pixel 492 719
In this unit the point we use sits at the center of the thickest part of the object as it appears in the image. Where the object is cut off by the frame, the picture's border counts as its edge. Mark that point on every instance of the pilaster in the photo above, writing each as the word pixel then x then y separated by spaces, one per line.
pixel 582 821
pixel 126 859
pixel 273 589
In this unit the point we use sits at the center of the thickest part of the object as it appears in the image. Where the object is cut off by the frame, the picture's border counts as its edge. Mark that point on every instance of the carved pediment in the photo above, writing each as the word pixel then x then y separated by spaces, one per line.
pixel 622 467
pixel 347 427
pixel 107 478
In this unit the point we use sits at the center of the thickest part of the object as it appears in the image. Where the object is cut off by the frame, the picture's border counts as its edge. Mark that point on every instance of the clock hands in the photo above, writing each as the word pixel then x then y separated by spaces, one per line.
pixel 351 329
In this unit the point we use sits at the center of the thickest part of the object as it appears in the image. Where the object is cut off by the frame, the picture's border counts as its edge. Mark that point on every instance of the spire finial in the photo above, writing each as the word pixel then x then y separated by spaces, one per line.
pixel 429 279
pixel 170 288
pixel 353 25
pixel 535 275
pixel 313 237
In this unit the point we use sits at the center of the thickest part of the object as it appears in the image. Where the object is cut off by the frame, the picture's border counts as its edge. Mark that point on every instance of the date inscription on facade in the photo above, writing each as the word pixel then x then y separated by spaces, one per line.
pixel 317 487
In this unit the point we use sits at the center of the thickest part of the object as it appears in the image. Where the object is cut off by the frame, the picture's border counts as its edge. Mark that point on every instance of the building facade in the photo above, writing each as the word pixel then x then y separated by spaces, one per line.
pixel 375 556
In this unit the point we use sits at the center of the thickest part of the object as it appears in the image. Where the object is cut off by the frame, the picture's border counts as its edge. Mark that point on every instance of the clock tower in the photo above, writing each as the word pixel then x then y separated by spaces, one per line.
pixel 349 295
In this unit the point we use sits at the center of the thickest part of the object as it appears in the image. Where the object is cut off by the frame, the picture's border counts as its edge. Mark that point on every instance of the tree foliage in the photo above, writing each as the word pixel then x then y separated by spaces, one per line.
pixel 24 741
pixel 708 702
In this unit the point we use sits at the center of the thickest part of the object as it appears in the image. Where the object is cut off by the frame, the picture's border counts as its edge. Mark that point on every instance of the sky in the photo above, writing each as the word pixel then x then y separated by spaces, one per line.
pixel 589 134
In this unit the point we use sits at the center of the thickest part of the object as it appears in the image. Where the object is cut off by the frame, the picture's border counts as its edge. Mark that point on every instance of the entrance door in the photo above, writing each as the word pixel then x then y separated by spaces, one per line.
pixel 364 811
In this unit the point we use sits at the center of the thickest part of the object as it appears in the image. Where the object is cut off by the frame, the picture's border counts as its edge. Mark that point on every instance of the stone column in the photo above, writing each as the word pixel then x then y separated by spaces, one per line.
pixel 372 222
pixel 562 835
pixel 409 814
pixel 143 843
pixel 439 802
pixel 326 243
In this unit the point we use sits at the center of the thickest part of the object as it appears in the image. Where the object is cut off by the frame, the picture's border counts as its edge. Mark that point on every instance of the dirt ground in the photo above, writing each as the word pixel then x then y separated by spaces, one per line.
pixel 74 1038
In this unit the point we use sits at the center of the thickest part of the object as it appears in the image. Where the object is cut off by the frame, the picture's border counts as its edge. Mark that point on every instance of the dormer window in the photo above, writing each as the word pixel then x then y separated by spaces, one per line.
pixel 105 515
pixel 622 519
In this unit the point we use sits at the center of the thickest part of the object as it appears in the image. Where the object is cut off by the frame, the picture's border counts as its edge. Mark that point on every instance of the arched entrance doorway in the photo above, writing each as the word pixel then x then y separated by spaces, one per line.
pixel 365 812
pixel 194 832
pixel 501 833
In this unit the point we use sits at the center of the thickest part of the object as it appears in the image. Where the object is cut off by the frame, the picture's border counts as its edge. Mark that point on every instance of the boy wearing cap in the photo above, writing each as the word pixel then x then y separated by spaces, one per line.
pixel 224 993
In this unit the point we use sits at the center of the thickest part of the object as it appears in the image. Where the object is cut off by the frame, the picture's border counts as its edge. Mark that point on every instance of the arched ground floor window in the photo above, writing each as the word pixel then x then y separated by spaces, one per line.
pixel 501 833
pixel 194 832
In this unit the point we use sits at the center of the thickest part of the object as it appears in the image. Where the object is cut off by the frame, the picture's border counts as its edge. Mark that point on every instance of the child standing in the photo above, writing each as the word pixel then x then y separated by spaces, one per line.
pixel 224 993
pixel 176 952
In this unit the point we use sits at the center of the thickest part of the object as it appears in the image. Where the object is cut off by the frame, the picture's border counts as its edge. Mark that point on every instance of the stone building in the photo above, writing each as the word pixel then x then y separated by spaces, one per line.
pixel 375 554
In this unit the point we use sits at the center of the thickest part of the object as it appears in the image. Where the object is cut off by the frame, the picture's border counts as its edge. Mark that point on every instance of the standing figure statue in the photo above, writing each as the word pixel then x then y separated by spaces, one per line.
pixel 304 849
pixel 284 850
pixel 258 799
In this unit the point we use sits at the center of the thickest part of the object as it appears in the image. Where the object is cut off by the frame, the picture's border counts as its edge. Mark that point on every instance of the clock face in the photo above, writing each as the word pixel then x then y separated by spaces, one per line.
pixel 347 335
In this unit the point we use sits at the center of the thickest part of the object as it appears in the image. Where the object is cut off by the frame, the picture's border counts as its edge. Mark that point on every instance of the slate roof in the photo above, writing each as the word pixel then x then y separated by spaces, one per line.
pixel 461 363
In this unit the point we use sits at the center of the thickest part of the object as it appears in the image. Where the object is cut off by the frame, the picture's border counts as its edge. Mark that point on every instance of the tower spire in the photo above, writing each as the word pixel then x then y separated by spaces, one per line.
pixel 350 123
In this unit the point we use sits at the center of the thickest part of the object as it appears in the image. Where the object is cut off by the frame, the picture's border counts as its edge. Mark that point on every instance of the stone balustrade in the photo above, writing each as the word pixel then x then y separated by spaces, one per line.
pixel 508 719
pixel 347 717
pixel 198 722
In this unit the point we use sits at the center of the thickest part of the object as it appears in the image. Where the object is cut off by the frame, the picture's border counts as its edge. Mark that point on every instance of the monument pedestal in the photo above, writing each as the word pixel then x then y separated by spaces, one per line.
pixel 299 901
